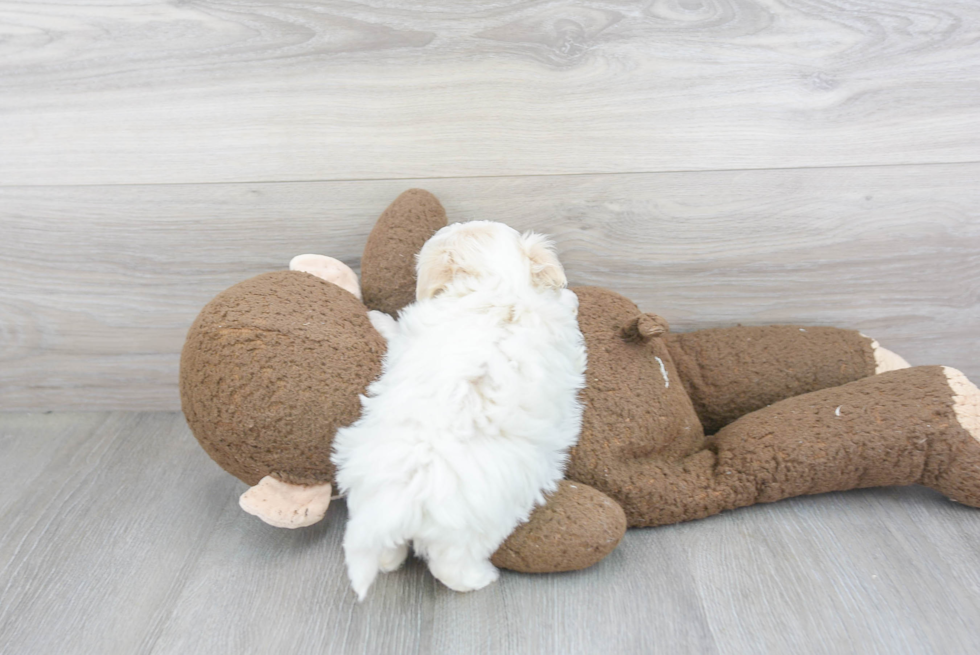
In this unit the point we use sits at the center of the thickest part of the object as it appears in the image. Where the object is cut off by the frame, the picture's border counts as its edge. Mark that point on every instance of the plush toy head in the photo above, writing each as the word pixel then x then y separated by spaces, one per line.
pixel 271 368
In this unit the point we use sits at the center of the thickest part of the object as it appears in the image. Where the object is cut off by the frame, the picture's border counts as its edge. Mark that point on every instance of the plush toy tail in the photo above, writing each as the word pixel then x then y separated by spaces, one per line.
pixel 911 426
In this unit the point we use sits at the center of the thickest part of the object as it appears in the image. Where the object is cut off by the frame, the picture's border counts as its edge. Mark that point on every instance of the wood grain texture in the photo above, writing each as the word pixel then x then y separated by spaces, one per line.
pixel 98 285
pixel 122 537
pixel 242 91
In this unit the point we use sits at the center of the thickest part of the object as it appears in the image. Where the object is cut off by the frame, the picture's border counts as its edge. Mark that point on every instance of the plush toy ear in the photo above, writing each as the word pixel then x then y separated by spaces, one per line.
pixel 329 269
pixel 546 270
pixel 388 265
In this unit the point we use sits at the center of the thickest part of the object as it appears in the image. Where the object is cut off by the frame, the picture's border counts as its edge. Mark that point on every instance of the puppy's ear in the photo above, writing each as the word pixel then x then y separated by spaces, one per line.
pixel 436 268
pixel 546 270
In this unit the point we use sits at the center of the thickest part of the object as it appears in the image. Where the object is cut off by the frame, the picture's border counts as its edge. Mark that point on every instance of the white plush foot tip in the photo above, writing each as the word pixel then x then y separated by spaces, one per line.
pixel 966 401
pixel 886 360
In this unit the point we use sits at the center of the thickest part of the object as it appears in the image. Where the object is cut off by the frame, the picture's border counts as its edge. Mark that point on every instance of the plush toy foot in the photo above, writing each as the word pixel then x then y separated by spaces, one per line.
pixel 886 360
pixel 329 269
pixel 285 505
pixel 966 401
pixel 956 470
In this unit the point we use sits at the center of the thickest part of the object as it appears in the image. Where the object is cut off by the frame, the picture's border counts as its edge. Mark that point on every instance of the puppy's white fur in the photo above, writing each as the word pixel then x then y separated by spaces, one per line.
pixel 470 423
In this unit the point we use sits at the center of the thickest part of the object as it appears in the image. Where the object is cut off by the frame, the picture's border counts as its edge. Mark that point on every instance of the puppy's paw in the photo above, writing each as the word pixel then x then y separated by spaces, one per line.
pixel 392 558
pixel 569 300
pixel 383 323
pixel 469 577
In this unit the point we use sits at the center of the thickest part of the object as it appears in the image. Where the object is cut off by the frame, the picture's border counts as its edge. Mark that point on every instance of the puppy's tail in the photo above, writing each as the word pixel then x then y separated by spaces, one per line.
pixel 362 568
pixel 368 549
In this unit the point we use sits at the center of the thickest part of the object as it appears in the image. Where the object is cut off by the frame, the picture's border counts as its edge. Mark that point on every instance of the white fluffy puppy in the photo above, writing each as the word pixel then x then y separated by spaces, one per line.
pixel 470 423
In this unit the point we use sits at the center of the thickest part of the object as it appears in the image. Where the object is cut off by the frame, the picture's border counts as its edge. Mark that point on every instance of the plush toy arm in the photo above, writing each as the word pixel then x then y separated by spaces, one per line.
pixel 729 372
pixel 574 529
pixel 912 426
pixel 388 264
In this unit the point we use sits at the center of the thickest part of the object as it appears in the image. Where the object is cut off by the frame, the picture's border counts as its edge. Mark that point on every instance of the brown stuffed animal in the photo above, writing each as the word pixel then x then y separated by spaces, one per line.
pixel 274 365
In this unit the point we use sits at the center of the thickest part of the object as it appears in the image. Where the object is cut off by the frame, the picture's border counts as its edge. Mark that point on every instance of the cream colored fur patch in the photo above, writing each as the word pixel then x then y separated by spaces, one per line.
pixel 966 401
pixel 886 360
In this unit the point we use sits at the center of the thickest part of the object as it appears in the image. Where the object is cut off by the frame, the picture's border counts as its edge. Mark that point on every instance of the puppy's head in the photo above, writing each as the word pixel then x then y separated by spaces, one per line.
pixel 468 252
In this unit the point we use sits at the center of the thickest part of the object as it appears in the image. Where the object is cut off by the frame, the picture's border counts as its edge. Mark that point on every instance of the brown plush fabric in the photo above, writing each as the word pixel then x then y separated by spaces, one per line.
pixel 575 529
pixel 729 372
pixel 388 264
pixel 271 368
pixel 642 443
pixel 632 413
pixel 897 428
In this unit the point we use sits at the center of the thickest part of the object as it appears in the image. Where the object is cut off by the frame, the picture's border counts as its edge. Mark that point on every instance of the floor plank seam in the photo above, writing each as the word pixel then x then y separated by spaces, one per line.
pixel 682 171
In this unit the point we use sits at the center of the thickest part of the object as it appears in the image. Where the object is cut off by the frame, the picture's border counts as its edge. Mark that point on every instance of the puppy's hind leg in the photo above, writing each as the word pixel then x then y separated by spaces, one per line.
pixel 458 567
pixel 392 558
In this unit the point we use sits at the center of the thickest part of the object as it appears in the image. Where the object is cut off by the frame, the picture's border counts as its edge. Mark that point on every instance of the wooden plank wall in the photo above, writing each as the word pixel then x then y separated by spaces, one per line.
pixel 718 161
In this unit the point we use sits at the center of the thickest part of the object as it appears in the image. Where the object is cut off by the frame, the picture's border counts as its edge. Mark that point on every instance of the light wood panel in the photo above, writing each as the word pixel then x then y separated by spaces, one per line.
pixel 98 285
pixel 241 91
pixel 127 539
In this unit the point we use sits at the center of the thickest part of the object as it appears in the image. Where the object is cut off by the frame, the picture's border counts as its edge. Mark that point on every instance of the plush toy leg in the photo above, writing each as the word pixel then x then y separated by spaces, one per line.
pixel 729 372
pixel 911 426
pixel 285 505
pixel 329 269
pixel 908 426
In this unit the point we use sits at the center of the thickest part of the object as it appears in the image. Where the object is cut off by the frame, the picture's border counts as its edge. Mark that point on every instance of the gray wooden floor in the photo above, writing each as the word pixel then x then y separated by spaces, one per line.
pixel 120 536
pixel 718 161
